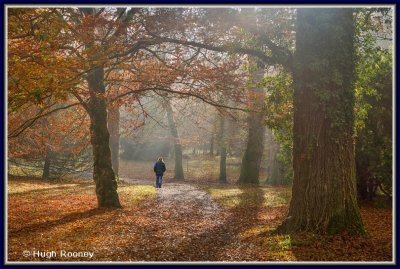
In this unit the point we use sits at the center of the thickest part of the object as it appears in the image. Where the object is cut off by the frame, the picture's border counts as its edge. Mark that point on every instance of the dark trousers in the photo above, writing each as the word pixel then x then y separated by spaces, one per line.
pixel 158 181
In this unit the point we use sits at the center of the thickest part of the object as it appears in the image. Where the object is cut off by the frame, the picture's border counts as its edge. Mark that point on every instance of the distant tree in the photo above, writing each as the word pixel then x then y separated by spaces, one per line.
pixel 251 161
pixel 178 173
pixel 275 167
pixel 222 148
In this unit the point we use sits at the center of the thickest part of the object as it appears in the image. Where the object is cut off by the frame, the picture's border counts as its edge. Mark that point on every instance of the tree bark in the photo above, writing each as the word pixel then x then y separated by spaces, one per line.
pixel 178 174
pixel 324 188
pixel 113 126
pixel 251 161
pixel 222 146
pixel 103 174
pixel 47 164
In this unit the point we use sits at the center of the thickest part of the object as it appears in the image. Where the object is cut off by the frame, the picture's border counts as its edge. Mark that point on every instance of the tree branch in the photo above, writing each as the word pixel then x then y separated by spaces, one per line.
pixel 28 123
pixel 161 89
pixel 281 57
pixel 136 47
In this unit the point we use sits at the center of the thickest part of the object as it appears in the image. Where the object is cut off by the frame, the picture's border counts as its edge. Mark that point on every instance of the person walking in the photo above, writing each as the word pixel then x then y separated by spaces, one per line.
pixel 159 169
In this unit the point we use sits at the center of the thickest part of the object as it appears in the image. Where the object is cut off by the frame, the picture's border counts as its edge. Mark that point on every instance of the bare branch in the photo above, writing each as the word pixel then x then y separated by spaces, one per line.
pixel 168 90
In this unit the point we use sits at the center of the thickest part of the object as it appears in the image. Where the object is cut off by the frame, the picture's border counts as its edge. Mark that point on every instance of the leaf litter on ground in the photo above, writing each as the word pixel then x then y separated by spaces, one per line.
pixel 179 222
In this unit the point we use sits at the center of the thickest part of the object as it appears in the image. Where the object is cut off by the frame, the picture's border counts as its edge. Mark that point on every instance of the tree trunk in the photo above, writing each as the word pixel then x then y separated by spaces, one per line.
pixel 178 173
pixel 171 150
pixel 222 146
pixel 204 149
pixel 275 175
pixel 362 176
pixel 251 161
pixel 103 174
pixel 222 166
pixel 324 188
pixel 212 144
pixel 177 145
pixel 47 164
pixel 113 127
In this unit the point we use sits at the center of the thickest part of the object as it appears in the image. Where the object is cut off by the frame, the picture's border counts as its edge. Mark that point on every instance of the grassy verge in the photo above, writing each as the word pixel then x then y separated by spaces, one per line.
pixel 248 196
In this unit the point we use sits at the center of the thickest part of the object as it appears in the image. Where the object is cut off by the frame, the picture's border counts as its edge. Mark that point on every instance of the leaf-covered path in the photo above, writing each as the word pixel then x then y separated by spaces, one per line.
pixel 182 199
pixel 187 224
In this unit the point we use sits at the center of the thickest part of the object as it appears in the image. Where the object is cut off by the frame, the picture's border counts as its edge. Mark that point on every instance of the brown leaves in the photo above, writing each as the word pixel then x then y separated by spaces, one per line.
pixel 179 222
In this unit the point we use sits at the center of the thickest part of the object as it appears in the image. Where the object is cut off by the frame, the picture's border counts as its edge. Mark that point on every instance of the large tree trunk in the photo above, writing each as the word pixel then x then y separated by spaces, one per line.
pixel 324 188
pixel 103 174
pixel 222 150
pixel 177 144
pixel 251 161
pixel 113 127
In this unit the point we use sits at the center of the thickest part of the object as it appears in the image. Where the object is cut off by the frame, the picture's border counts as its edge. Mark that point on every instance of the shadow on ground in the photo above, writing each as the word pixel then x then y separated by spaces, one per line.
pixel 44 226
pixel 212 244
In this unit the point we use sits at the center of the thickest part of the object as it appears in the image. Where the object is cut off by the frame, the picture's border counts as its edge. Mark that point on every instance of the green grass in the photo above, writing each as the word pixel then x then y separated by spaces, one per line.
pixel 16 170
pixel 39 187
pixel 249 196
pixel 196 168
pixel 137 193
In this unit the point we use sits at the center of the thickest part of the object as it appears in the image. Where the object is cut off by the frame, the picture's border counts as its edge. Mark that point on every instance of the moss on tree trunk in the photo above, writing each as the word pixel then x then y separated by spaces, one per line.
pixel 324 196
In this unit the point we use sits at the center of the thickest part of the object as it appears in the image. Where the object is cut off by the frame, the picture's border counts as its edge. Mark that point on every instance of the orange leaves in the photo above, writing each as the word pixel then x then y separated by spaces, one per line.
pixel 64 131
pixel 177 223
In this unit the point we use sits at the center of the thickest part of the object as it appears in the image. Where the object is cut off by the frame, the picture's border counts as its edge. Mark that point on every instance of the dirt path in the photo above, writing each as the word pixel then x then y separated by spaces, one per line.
pixel 186 197
pixel 188 224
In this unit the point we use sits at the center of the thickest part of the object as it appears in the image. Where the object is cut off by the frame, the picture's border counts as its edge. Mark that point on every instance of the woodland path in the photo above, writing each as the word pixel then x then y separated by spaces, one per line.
pixel 191 226
pixel 185 196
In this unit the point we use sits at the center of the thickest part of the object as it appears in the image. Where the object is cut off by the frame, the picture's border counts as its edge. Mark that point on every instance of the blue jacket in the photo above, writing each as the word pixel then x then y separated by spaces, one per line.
pixel 159 168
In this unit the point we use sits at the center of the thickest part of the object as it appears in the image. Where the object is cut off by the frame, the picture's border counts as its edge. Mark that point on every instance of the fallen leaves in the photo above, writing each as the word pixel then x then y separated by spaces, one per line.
pixel 180 222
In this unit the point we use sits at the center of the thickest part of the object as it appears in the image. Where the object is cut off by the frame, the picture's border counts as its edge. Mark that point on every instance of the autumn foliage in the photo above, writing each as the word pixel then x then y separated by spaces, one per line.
pixel 227 95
